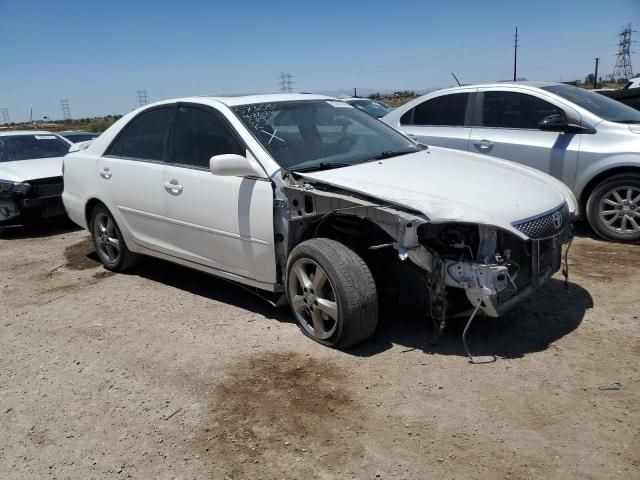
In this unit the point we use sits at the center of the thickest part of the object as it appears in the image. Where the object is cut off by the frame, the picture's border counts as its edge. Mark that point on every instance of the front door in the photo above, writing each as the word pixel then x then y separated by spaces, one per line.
pixel 506 126
pixel 224 223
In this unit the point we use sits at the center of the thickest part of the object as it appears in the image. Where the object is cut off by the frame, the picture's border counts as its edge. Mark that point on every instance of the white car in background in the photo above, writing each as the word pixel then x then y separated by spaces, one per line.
pixel 312 198
pixel 589 141
pixel 78 136
pixel 30 176
pixel 374 108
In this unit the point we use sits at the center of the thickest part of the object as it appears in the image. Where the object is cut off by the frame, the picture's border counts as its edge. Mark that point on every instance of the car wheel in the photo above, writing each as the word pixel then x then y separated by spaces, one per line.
pixel 107 238
pixel 332 293
pixel 613 208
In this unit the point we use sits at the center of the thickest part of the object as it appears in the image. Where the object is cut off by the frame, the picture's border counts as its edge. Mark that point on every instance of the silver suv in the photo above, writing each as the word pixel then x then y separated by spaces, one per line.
pixel 590 142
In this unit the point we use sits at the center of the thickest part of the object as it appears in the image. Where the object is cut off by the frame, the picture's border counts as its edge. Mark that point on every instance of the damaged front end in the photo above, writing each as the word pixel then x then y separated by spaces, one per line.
pixel 24 203
pixel 466 268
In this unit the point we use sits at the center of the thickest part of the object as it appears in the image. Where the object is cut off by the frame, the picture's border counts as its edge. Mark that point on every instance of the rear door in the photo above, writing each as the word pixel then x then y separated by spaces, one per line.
pixel 506 126
pixel 222 222
pixel 130 176
pixel 442 121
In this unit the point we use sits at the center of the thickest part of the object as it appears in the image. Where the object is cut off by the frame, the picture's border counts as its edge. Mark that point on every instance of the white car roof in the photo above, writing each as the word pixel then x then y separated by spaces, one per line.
pixel 234 101
pixel 25 132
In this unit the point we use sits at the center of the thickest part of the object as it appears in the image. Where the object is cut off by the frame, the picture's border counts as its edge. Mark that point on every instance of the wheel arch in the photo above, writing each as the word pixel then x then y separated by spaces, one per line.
pixel 88 208
pixel 353 231
pixel 601 176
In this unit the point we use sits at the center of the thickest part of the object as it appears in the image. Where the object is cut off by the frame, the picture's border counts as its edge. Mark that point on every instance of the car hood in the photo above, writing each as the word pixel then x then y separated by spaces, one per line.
pixel 634 127
pixel 450 185
pixel 25 170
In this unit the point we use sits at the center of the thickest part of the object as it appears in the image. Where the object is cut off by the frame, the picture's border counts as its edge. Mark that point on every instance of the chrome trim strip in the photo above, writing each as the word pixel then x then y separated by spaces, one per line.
pixel 541 215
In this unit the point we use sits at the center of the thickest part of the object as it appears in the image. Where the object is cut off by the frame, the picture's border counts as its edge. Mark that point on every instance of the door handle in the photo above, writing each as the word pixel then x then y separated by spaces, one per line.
pixel 105 173
pixel 483 145
pixel 173 187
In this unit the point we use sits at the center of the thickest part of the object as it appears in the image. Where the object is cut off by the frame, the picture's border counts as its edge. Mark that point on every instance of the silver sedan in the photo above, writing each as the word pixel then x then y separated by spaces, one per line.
pixel 590 142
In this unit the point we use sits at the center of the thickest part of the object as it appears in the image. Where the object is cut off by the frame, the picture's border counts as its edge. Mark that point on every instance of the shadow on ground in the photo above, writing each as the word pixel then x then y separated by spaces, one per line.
pixel 532 326
pixel 40 230
pixel 213 288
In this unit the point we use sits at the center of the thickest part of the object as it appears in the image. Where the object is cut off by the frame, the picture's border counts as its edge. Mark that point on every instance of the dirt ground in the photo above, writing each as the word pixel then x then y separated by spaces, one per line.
pixel 168 373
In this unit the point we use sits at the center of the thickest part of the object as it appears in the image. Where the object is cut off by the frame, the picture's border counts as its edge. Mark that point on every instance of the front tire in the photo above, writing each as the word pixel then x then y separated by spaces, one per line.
pixel 613 208
pixel 332 293
pixel 109 242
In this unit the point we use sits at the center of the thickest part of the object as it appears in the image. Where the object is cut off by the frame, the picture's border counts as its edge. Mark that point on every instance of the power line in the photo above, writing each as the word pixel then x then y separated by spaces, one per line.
pixel 515 55
pixel 143 98
pixel 66 111
pixel 622 68
pixel 286 83
pixel 5 115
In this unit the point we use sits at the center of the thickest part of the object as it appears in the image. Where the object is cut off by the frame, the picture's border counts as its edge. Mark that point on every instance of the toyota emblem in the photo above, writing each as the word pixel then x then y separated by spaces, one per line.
pixel 556 218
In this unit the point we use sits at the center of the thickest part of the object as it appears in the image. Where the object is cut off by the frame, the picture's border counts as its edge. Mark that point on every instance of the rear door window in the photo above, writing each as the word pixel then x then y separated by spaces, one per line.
pixel 515 110
pixel 445 110
pixel 200 135
pixel 146 137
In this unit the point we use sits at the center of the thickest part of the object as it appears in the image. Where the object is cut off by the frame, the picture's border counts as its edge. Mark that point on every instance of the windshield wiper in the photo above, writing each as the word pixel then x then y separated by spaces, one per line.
pixel 329 165
pixel 389 154
pixel 322 166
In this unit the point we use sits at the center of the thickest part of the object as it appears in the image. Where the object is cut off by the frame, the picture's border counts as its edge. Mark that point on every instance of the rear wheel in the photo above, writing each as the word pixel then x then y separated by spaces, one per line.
pixel 108 241
pixel 613 208
pixel 332 293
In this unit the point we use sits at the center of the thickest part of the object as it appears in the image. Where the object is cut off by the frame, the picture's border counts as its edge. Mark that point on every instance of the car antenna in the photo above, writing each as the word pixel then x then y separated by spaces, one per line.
pixel 456 78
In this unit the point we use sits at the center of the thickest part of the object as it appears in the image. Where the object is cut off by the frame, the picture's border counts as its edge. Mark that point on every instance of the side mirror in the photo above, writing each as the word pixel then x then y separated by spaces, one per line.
pixel 76 147
pixel 554 123
pixel 559 123
pixel 233 165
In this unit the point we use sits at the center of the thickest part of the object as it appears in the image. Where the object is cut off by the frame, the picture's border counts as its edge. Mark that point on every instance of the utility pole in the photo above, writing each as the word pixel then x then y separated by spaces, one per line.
pixel 622 68
pixel 143 99
pixel 355 92
pixel 283 82
pixel 66 112
pixel 289 83
pixel 595 75
pixel 5 116
pixel 515 55
pixel 286 83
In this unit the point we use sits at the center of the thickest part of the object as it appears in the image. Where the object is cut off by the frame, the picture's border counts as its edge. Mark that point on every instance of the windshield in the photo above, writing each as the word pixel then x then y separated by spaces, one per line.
pixel 377 109
pixel 318 134
pixel 604 107
pixel 27 147
pixel 79 137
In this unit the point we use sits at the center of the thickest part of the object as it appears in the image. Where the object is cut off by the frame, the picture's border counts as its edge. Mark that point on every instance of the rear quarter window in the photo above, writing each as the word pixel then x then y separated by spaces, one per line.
pixel 445 110
pixel 146 136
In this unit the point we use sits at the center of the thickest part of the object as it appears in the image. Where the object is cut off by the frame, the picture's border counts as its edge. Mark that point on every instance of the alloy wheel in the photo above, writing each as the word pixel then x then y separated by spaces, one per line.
pixel 313 299
pixel 106 239
pixel 619 209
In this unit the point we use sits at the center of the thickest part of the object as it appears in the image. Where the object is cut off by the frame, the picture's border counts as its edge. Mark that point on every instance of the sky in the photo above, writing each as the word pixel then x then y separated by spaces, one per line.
pixel 98 54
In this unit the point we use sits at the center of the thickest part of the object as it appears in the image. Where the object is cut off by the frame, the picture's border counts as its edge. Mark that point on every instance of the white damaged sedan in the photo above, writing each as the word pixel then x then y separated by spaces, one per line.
pixel 311 198
pixel 30 176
